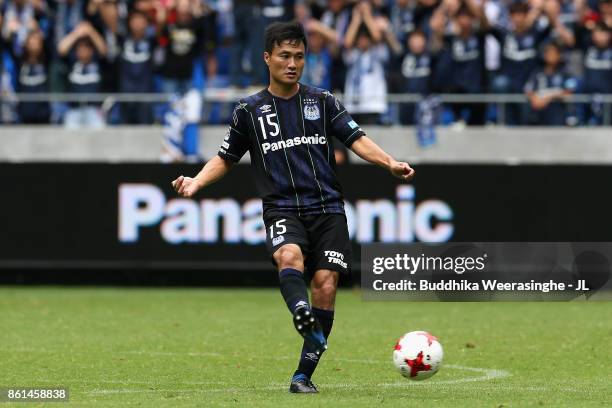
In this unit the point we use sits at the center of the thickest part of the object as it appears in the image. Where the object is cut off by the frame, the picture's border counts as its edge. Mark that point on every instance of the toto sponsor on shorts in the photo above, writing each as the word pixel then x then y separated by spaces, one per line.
pixel 230 220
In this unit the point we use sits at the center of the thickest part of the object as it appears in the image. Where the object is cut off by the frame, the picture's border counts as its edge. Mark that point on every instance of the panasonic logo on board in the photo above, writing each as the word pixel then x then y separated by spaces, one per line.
pixel 226 220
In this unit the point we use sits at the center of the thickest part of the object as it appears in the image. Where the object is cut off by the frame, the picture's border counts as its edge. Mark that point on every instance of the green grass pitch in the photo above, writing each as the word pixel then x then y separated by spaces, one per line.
pixel 206 347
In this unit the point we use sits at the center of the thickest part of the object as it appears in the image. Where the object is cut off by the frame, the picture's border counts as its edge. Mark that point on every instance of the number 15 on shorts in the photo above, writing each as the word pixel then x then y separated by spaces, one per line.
pixel 277 230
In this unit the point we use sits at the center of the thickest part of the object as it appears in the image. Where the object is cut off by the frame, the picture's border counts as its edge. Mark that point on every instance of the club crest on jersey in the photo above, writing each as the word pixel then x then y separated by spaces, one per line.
pixel 311 112
pixel 265 108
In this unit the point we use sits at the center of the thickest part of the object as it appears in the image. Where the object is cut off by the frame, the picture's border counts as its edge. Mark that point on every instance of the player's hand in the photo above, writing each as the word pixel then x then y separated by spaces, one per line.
pixel 186 186
pixel 402 170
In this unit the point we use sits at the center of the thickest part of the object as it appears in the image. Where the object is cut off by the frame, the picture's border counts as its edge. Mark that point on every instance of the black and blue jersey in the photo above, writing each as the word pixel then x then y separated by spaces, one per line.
pixel 598 70
pixel 467 66
pixel 416 73
pixel 543 84
pixel 519 53
pixel 289 141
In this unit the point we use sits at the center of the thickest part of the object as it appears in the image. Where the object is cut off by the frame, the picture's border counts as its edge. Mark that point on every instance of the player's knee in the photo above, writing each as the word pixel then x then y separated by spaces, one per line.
pixel 325 286
pixel 289 257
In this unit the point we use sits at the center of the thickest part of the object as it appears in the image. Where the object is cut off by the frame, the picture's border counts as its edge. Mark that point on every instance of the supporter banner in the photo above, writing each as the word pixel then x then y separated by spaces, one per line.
pixel 128 215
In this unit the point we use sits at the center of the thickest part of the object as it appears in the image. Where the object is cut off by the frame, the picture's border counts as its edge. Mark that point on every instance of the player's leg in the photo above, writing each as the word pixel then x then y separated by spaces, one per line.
pixel 329 257
pixel 290 262
pixel 286 236
pixel 323 288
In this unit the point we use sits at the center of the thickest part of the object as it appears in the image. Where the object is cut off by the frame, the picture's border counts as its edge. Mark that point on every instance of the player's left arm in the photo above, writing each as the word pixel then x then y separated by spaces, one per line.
pixel 365 148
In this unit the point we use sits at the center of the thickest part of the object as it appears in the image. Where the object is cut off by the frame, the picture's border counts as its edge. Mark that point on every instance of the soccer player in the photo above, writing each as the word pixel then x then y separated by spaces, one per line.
pixel 287 129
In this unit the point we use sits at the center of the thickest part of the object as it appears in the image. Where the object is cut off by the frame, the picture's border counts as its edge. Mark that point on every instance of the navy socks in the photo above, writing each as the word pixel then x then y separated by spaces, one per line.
pixel 309 359
pixel 293 288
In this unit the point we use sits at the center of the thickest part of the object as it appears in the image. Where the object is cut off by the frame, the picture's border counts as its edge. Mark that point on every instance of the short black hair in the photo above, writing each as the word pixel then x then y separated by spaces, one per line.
pixel 519 7
pixel 86 41
pixel 601 26
pixel 417 32
pixel 277 33
pixel 364 31
pixel 553 44
pixel 464 9
pixel 135 13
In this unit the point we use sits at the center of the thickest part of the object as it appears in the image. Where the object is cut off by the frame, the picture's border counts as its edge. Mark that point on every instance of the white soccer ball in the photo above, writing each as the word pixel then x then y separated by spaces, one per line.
pixel 418 355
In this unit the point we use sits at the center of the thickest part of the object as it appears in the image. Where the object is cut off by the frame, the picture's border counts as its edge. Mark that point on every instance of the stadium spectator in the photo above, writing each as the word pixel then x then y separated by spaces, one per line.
pixel 247 47
pixel 337 17
pixel 547 88
pixel 322 48
pixel 32 78
pixel 598 70
pixel 318 61
pixel 210 41
pixel 68 15
pixel 568 13
pixel 365 55
pixel 403 19
pixel 183 28
pixel 83 48
pixel 21 17
pixel 277 10
pixel 416 68
pixel 407 16
pixel 387 34
pixel 520 45
pixel 605 12
pixel 136 68
pixel 463 48
pixel 7 103
pixel 187 31
pixel 425 10
pixel 106 21
pixel 123 7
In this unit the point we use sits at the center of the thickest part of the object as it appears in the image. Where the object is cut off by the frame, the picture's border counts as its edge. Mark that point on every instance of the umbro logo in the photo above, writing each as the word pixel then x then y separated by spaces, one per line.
pixel 312 356
pixel 265 108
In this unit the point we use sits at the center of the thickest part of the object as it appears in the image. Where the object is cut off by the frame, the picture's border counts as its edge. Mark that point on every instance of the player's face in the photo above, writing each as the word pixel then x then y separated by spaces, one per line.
pixel 286 62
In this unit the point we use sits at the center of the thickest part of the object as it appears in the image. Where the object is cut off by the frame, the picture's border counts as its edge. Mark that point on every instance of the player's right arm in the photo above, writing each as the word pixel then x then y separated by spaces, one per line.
pixel 214 170
pixel 234 146
pixel 354 138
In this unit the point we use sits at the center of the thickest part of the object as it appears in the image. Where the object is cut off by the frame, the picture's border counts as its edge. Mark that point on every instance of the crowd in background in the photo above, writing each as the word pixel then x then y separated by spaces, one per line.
pixel 545 49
